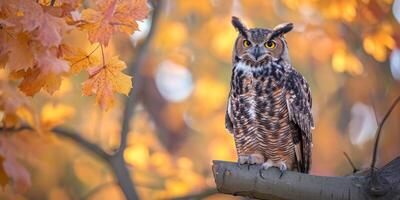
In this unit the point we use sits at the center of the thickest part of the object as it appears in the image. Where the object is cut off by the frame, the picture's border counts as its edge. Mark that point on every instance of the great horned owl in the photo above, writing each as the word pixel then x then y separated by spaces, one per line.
pixel 269 105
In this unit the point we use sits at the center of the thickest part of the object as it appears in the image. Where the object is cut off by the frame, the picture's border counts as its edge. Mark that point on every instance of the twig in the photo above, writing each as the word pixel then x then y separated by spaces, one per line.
pixel 378 133
pixel 374 109
pixel 351 163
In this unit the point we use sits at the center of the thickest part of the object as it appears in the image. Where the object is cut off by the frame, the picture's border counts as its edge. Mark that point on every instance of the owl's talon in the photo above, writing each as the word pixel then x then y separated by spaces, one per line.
pixel 265 166
pixel 283 169
pixel 261 172
pixel 249 160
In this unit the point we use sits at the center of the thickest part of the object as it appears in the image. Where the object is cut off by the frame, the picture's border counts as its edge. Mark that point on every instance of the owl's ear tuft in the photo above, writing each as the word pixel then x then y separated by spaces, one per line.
pixel 281 29
pixel 239 26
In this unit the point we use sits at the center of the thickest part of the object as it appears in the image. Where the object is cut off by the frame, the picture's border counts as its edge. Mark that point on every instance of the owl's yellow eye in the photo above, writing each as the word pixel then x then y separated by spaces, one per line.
pixel 270 44
pixel 246 43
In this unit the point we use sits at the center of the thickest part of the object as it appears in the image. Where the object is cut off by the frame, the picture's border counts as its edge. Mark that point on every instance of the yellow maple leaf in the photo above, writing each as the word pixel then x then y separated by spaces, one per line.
pixel 78 58
pixel 18 48
pixel 15 106
pixel 105 80
pixel 113 16
pixel 34 80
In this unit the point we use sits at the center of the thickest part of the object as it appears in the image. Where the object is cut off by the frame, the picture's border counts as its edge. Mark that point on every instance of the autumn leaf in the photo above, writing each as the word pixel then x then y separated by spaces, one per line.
pixel 113 16
pixel 17 48
pixel 78 58
pixel 33 80
pixel 105 80
pixel 45 27
pixel 50 30
pixel 48 62
pixel 15 106
pixel 13 169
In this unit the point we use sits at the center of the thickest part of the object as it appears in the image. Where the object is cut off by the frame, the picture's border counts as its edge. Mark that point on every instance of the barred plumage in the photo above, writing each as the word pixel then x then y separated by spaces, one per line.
pixel 269 105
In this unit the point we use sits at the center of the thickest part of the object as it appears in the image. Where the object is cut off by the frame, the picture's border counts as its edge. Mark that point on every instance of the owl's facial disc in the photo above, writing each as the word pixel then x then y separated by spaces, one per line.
pixel 258 53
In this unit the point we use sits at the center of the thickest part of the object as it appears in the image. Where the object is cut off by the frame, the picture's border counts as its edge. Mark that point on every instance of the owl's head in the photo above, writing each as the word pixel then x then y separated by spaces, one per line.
pixel 258 46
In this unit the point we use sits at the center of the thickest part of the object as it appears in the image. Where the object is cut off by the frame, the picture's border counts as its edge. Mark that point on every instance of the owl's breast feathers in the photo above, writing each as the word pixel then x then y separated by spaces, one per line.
pixel 269 112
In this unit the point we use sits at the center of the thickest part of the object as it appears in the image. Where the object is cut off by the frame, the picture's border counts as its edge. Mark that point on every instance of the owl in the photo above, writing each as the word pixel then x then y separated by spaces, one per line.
pixel 269 103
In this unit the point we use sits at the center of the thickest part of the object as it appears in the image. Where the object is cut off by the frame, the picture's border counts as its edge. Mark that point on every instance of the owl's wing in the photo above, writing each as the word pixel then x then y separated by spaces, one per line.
pixel 228 122
pixel 299 102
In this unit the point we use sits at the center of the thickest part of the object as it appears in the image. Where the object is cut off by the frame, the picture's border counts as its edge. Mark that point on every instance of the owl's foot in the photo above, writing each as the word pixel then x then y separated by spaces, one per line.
pixel 250 160
pixel 282 167
pixel 265 166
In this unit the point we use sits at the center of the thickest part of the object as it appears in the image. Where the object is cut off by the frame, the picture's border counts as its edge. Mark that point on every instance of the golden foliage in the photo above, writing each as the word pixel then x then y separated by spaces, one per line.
pixel 106 79
pixel 344 61
pixel 55 114
pixel 380 42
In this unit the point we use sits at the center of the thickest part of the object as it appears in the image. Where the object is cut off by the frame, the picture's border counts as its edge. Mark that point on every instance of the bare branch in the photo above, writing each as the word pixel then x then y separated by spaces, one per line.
pixel 378 132
pixel 377 185
pixel 351 162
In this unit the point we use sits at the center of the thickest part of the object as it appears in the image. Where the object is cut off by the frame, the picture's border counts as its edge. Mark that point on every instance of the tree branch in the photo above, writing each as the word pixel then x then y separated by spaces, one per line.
pixel 378 131
pixel 77 138
pixel 134 69
pixel 117 163
pixel 350 162
pixel 74 136
pixel 233 179
pixel 377 185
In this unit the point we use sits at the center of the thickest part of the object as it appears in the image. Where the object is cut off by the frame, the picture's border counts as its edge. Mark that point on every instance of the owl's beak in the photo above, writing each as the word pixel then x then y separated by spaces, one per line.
pixel 257 52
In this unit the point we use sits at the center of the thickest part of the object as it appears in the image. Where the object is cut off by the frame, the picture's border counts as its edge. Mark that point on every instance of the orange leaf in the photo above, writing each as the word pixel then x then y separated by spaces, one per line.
pixel 15 106
pixel 113 16
pixel 50 30
pixel 105 80
pixel 78 58
pixel 46 28
pixel 20 176
pixel 34 80
pixel 48 62
pixel 16 49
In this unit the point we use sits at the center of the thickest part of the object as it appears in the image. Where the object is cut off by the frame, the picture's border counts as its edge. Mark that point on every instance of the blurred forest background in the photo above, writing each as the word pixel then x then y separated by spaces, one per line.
pixel 348 50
